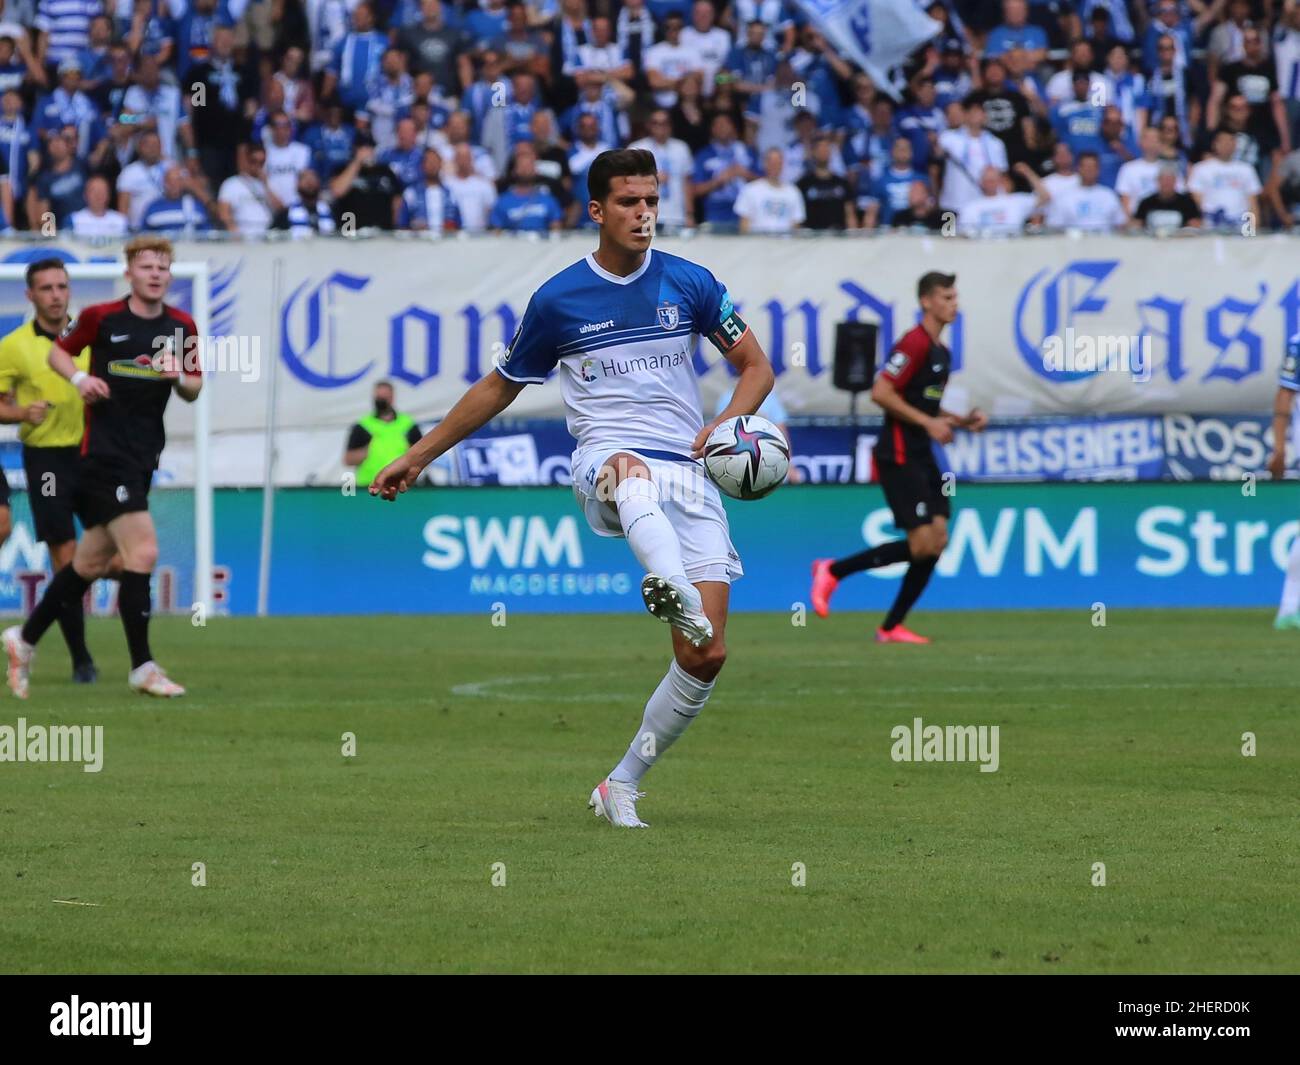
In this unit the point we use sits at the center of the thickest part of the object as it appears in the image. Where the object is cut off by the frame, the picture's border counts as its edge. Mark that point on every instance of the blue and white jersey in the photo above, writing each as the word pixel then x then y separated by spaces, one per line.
pixel 1289 378
pixel 67 24
pixel 623 345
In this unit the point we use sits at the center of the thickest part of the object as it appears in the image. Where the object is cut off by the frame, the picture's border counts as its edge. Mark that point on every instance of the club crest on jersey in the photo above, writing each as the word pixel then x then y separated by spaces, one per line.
pixel 668 316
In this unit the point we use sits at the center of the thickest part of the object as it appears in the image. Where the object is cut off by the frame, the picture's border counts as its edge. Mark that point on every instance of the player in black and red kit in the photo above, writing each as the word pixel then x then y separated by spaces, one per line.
pixel 141 350
pixel 909 389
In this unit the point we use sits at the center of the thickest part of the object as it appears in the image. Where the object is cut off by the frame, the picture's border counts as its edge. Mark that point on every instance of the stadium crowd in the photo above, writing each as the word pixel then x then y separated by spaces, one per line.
pixel 320 116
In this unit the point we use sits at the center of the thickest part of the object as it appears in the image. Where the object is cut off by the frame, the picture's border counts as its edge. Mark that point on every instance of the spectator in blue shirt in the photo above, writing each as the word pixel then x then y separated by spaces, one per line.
pixel 17 146
pixel 94 58
pixel 661 9
pixel 752 63
pixel 722 168
pixel 13 71
pixel 601 101
pixel 59 188
pixel 880 199
pixel 922 120
pixel 525 206
pixel 149 31
pixel 586 146
pixel 180 210
pixel 405 157
pixel 1016 31
pixel 1077 122
pixel 356 60
pixel 331 141
pixel 486 23
pixel 952 81
pixel 193 32
pixel 869 149
pixel 1168 19
pixel 427 204
pixel 66 25
pixel 67 106
pixel 427 119
pixel 1118 145
pixel 1121 26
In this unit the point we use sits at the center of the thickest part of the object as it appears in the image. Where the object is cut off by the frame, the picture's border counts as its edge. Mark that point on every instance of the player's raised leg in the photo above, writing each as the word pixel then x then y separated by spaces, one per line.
pixel 676 702
pixel 625 483
pixel 91 560
pixel 925 544
pixel 136 540
pixel 827 573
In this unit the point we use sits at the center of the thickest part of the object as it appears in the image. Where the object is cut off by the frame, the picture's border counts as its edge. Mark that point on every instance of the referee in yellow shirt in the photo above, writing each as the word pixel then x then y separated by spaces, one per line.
pixel 52 417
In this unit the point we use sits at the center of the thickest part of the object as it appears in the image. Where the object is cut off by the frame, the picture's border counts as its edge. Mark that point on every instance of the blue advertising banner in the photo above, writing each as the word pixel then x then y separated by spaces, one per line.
pixel 464 550
pixel 1143 447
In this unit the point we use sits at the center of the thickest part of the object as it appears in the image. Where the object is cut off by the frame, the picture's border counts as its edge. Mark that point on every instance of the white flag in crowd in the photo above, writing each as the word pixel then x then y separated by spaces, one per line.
pixel 875 34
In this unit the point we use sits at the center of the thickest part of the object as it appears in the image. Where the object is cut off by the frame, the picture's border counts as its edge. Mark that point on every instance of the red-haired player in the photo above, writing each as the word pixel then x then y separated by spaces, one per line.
pixel 141 350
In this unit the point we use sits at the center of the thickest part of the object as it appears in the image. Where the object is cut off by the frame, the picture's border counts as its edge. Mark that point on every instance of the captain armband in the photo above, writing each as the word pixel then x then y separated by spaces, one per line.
pixel 729 333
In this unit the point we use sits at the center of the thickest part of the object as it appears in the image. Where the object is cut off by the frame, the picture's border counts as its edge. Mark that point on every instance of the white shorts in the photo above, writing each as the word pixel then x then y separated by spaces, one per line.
pixel 690 502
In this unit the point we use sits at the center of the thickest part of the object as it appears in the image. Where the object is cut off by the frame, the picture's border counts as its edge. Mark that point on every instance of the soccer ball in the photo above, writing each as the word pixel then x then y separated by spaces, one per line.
pixel 747 457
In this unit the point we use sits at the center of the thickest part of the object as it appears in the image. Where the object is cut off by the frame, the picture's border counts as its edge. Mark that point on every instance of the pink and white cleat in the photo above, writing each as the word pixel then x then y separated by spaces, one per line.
pixel 824 583
pixel 899 634
pixel 615 801
pixel 21 654
pixel 149 679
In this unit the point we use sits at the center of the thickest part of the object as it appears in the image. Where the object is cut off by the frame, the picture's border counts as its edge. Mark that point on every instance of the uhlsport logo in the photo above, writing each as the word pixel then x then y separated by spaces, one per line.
pixel 668 315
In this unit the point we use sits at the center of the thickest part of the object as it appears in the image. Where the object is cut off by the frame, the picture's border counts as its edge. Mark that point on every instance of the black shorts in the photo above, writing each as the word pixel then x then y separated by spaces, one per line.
pixel 103 495
pixel 4 489
pixel 52 477
pixel 913 490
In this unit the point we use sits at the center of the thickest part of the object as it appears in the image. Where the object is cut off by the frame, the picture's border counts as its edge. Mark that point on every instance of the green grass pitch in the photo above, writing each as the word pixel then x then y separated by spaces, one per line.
pixel 479 745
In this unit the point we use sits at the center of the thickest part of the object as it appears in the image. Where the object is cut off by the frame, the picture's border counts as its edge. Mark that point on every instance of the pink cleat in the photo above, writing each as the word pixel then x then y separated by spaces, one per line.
pixel 899 634
pixel 823 586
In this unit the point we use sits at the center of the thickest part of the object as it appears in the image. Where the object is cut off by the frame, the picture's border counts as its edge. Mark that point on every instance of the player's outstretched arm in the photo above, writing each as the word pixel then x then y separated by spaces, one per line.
pixel 484 401
pixel 756 381
pixel 1281 426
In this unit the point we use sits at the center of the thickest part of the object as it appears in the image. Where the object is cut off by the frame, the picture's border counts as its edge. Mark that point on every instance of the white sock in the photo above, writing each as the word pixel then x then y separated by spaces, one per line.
pixel 1291 586
pixel 668 713
pixel 648 530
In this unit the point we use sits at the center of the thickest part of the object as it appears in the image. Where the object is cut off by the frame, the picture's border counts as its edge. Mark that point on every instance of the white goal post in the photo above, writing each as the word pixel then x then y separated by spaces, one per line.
pixel 103 281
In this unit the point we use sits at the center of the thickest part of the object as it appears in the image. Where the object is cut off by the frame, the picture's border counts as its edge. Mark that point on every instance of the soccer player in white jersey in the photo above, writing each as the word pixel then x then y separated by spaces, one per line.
pixel 620 325
pixel 1284 418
